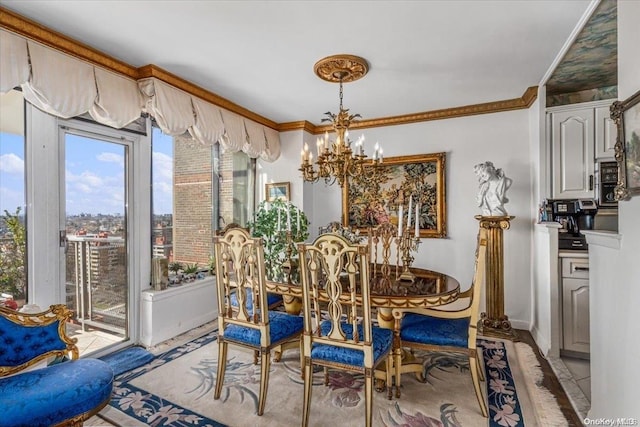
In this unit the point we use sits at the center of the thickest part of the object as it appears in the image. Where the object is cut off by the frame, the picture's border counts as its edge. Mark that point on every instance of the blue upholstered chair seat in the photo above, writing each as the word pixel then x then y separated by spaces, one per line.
pixel 47 396
pixel 271 300
pixel 382 342
pixel 424 329
pixel 281 326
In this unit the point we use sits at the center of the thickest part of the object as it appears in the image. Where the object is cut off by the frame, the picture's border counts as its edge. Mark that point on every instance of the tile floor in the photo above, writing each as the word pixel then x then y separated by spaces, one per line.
pixel 581 371
pixel 575 377
pixel 92 339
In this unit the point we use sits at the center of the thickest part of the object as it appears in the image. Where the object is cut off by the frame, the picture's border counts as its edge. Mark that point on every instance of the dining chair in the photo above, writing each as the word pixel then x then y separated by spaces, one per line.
pixel 273 300
pixel 337 335
pixel 251 325
pixel 451 327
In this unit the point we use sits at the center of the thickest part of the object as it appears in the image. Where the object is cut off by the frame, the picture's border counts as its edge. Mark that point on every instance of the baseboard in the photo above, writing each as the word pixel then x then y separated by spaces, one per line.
pixel 541 341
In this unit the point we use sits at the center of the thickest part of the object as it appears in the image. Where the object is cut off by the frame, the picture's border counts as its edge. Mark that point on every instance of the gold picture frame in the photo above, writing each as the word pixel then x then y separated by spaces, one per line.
pixel 374 197
pixel 278 191
pixel 626 114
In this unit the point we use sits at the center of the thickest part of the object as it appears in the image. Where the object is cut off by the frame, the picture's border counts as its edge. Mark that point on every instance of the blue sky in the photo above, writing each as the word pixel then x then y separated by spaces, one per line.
pixel 94 174
pixel 11 172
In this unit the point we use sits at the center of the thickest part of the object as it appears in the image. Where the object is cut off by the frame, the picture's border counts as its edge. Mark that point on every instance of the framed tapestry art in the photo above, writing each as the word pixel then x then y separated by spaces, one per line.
pixel 398 186
pixel 627 116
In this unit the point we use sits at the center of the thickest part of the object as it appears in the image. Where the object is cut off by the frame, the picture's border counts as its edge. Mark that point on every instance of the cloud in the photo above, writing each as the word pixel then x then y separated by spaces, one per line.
pixel 10 163
pixel 162 183
pixel 162 167
pixel 111 158
pixel 85 179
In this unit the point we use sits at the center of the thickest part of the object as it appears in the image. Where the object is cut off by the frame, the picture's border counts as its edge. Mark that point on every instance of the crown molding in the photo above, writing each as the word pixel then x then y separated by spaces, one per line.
pixel 39 33
pixel 525 101
pixel 301 125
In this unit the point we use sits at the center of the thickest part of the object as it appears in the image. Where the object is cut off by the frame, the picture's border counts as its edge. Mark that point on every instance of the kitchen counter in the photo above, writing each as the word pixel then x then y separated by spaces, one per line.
pixel 573 254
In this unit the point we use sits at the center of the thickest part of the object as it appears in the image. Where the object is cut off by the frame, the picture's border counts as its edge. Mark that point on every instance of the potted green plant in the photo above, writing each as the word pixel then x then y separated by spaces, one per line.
pixel 190 271
pixel 272 222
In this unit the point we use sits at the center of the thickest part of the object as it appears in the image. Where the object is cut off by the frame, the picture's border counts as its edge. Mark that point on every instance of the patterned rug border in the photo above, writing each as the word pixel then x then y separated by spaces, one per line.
pixel 500 390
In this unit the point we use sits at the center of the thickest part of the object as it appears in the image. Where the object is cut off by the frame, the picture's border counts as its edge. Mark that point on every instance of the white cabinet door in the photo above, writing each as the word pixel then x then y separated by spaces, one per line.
pixel 572 136
pixel 606 133
pixel 575 314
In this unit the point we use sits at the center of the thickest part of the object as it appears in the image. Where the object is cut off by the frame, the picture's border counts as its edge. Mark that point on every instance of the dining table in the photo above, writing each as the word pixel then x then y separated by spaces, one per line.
pixel 388 291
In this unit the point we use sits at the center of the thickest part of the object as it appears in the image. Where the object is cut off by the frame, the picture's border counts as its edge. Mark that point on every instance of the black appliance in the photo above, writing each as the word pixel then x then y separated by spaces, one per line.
pixel 608 182
pixel 574 215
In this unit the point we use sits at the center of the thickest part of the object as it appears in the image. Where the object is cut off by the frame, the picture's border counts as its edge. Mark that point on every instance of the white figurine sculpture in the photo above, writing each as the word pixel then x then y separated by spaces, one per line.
pixel 493 189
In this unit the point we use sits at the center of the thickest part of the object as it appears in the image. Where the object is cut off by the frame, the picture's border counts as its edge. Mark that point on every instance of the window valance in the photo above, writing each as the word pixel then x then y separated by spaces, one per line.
pixel 67 87
pixel 14 61
pixel 177 112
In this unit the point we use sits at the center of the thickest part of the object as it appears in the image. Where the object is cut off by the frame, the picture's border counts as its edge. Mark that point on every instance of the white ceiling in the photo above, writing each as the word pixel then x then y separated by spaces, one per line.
pixel 423 55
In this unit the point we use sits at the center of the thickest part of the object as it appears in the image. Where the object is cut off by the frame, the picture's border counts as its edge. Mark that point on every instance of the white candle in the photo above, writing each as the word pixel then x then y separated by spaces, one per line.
pixel 279 226
pixel 410 211
pixel 418 220
pixel 400 221
pixel 298 220
pixel 288 219
pixel 266 206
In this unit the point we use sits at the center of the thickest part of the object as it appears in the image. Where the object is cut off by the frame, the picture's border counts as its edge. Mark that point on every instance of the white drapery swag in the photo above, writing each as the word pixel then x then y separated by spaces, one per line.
pixel 177 112
pixel 65 86
pixel 60 85
pixel 208 127
pixel 119 102
pixel 14 61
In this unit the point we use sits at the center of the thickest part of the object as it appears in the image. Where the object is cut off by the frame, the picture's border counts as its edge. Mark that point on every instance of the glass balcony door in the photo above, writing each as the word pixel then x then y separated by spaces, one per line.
pixel 94 189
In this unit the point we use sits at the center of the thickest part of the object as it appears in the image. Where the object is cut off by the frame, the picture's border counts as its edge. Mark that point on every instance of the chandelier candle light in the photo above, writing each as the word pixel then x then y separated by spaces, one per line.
pixel 337 161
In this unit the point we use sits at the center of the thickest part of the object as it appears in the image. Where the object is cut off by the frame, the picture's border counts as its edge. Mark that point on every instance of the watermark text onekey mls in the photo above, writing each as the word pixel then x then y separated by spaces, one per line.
pixel 610 421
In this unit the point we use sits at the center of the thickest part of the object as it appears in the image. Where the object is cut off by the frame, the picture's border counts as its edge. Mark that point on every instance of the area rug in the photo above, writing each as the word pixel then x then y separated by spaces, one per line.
pixel 176 389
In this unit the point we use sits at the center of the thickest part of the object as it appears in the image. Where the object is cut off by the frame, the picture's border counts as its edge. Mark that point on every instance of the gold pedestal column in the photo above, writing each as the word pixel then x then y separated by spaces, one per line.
pixel 494 322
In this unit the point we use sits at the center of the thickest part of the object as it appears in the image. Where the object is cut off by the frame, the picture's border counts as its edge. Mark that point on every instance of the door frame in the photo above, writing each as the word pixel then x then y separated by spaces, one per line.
pixel 44 158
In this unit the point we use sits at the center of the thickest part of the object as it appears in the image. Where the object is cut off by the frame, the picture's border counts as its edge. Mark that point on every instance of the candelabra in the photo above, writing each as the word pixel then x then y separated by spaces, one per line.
pixel 408 238
pixel 289 263
pixel 337 161
pixel 407 242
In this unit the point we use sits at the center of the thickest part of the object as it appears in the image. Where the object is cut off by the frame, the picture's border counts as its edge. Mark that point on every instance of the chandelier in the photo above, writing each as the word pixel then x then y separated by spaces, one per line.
pixel 337 159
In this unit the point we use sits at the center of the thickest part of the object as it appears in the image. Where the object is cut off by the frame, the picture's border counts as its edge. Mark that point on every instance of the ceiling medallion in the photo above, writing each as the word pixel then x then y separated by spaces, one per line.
pixel 341 68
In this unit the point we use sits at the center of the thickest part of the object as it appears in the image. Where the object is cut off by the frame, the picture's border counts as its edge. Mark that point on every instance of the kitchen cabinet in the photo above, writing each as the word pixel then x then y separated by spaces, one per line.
pixel 580 134
pixel 606 133
pixel 575 304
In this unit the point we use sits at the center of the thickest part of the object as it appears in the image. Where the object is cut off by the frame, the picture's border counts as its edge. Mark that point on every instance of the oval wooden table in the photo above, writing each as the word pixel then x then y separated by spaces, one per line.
pixel 429 289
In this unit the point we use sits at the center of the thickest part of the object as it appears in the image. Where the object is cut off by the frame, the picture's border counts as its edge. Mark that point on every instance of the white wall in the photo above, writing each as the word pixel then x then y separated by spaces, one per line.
pixel 502 138
pixel 615 274
pixel 285 169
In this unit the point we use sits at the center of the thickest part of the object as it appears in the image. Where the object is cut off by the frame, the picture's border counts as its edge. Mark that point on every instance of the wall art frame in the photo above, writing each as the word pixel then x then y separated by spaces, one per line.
pixel 626 114
pixel 278 191
pixel 374 197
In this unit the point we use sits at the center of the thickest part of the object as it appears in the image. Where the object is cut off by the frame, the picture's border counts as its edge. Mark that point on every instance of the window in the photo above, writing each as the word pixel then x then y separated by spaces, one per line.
pixel 197 190
pixel 13 268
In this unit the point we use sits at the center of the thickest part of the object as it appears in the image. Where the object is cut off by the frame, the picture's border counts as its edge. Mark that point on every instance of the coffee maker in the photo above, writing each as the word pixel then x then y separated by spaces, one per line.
pixel 574 215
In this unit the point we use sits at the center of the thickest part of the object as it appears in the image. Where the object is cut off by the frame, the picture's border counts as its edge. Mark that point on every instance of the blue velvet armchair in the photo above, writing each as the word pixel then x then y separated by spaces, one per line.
pixel 66 391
